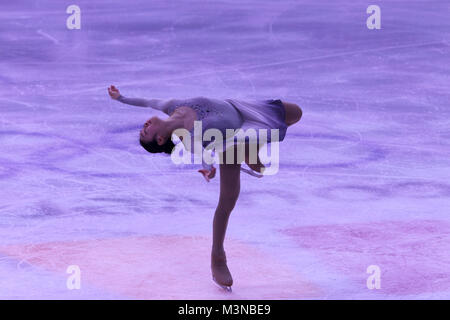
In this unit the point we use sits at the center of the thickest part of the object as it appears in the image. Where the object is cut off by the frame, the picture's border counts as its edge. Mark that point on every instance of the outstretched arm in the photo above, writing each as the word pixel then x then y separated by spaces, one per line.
pixel 158 104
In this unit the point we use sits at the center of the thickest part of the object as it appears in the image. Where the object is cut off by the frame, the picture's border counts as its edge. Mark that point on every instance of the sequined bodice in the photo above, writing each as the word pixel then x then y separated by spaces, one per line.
pixel 213 113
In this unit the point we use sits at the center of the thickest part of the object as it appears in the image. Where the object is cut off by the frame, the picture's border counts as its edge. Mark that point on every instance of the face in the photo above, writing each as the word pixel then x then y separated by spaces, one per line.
pixel 153 129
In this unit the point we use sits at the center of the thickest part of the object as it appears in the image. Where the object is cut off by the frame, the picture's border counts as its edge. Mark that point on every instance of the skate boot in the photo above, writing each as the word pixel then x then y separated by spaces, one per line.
pixel 220 273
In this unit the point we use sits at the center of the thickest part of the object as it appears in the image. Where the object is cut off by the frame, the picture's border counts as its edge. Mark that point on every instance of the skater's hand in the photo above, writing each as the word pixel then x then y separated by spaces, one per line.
pixel 113 92
pixel 207 174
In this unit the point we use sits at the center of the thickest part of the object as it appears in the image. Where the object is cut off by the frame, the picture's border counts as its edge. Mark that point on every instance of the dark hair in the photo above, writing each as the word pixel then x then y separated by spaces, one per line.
pixel 154 147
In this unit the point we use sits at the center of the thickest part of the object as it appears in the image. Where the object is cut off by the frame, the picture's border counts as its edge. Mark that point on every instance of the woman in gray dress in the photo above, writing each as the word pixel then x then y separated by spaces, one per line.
pixel 220 115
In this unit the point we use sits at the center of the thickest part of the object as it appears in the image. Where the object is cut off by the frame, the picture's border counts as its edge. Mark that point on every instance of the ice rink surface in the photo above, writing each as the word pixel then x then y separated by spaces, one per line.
pixel 363 179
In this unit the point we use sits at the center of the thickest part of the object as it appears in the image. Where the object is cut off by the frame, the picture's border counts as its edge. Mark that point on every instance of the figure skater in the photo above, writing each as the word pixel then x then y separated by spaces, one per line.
pixel 155 137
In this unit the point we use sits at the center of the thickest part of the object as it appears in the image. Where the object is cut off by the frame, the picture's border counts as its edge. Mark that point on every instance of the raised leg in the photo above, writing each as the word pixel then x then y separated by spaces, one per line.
pixel 293 113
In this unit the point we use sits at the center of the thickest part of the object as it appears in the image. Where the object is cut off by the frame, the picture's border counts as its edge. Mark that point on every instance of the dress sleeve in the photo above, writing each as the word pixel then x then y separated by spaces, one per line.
pixel 158 104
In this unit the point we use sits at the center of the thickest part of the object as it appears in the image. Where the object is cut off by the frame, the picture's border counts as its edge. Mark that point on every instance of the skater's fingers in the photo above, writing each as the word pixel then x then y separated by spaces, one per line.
pixel 212 173
pixel 206 177
pixel 205 174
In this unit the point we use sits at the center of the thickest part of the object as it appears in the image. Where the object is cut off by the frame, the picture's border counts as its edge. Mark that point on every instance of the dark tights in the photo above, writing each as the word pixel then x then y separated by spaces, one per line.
pixel 229 192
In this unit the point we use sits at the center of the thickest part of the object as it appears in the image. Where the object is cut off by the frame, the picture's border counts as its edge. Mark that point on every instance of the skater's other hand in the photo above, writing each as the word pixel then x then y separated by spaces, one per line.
pixel 113 92
pixel 207 174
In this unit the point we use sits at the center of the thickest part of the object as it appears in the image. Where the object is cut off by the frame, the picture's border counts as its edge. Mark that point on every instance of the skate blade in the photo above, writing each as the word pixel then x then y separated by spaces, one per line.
pixel 226 288
pixel 252 173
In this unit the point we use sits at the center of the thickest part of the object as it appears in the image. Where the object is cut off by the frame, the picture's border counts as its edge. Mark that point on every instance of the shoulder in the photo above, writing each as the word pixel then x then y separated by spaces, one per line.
pixel 172 104
pixel 176 103
pixel 201 100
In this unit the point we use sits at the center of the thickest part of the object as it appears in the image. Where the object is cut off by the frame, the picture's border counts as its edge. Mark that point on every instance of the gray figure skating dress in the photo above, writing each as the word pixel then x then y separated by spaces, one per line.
pixel 224 114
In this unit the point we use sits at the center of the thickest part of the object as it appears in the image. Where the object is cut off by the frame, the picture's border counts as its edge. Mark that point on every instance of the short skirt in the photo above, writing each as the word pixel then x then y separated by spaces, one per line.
pixel 262 114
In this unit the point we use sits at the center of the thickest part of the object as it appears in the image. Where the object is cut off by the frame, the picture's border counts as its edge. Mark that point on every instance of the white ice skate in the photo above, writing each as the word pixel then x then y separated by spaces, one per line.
pixel 252 173
pixel 221 274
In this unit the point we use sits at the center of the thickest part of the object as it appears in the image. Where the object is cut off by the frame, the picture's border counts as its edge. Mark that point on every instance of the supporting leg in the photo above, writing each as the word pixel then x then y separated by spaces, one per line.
pixel 229 193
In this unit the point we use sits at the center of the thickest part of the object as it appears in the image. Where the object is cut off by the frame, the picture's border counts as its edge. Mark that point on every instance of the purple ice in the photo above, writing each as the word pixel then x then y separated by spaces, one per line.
pixel 363 178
